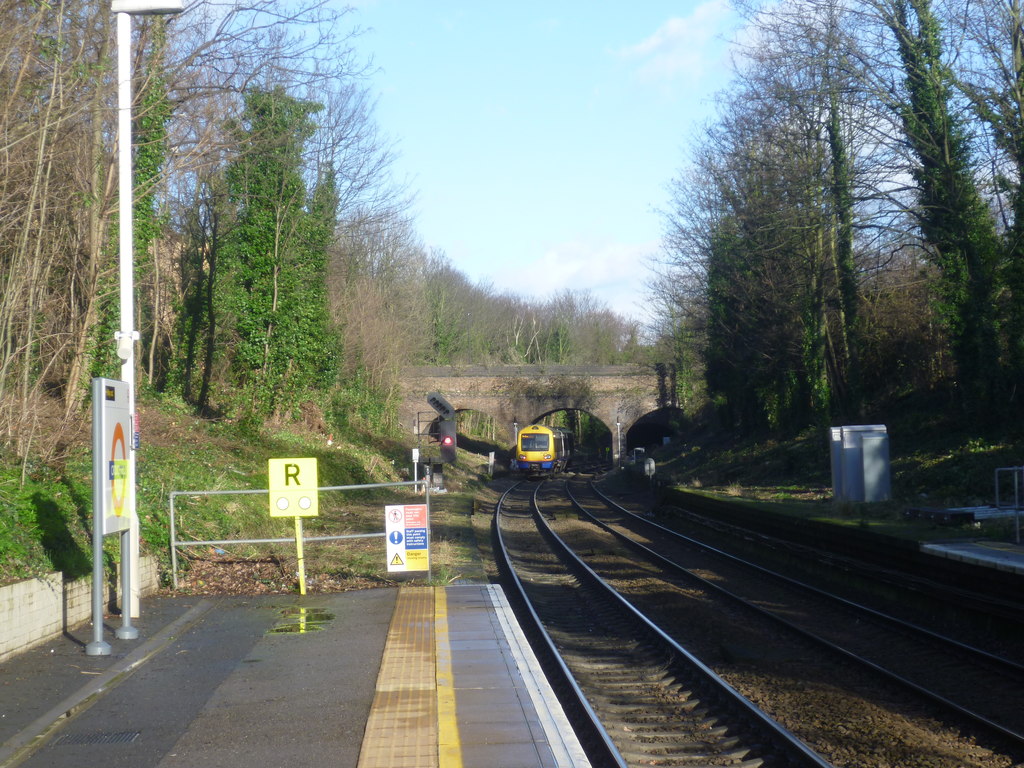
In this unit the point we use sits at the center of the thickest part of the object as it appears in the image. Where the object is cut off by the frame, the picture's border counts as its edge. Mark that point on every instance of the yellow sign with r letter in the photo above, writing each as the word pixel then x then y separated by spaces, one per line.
pixel 293 485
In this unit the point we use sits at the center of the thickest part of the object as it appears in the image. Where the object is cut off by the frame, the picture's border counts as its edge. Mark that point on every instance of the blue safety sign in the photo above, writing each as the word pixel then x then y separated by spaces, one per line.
pixel 415 538
pixel 395 537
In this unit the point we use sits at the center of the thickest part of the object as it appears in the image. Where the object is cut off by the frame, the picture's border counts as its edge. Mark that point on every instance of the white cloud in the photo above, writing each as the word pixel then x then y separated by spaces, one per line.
pixel 614 273
pixel 683 48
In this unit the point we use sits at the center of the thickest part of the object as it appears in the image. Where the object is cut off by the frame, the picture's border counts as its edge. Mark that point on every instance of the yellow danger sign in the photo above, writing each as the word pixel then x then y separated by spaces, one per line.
pixel 293 485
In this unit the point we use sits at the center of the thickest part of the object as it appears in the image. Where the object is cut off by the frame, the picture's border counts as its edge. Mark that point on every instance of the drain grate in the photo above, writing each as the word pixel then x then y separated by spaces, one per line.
pixel 78 739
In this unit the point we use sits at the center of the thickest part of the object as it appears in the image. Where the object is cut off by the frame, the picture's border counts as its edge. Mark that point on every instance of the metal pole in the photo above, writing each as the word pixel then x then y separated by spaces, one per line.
pixel 174 546
pixel 98 647
pixel 126 631
pixel 300 555
pixel 1017 515
pixel 430 560
pixel 127 334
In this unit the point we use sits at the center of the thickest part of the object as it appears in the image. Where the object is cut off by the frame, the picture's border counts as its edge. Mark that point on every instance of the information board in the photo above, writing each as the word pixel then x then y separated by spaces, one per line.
pixel 408 537
pixel 112 431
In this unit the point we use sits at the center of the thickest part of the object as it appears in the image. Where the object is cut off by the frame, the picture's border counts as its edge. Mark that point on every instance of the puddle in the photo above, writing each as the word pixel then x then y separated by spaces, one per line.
pixel 296 620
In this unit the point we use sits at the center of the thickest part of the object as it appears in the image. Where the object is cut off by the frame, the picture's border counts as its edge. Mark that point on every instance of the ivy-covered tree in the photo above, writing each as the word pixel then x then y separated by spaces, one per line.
pixel 273 264
pixel 149 139
pixel 954 219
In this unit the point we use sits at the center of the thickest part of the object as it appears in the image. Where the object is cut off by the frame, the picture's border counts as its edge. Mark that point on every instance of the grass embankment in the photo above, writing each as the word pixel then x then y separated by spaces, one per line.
pixel 48 519
pixel 936 462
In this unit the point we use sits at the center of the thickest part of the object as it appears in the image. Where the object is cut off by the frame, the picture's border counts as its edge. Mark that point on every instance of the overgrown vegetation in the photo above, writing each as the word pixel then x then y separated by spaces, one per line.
pixel 937 461
pixel 848 231
pixel 280 284
pixel 48 520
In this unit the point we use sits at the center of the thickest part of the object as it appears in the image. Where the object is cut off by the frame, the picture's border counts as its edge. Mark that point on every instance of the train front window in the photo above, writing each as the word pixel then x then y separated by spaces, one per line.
pixel 535 442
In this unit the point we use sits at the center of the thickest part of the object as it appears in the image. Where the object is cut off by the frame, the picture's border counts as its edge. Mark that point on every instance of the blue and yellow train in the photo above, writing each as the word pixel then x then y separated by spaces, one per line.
pixel 543 450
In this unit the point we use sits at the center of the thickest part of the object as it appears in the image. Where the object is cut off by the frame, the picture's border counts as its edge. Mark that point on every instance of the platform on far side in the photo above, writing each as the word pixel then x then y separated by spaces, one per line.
pixel 1001 555
pixel 459 687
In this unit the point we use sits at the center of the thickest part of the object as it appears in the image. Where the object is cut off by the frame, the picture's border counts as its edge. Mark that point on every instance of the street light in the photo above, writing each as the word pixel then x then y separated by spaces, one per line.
pixel 127 335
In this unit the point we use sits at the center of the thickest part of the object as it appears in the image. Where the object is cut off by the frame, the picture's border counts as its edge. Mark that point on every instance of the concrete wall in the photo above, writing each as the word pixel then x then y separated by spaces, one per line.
pixel 37 610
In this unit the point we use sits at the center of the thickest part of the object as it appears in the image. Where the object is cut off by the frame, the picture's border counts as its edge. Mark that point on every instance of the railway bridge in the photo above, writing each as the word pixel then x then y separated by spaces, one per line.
pixel 517 395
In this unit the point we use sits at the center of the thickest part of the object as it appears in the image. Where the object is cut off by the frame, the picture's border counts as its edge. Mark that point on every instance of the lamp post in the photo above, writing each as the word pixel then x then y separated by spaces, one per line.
pixel 127 335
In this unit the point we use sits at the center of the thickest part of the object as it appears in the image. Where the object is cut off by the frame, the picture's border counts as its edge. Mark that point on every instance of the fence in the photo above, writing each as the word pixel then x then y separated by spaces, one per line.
pixel 1017 479
pixel 176 544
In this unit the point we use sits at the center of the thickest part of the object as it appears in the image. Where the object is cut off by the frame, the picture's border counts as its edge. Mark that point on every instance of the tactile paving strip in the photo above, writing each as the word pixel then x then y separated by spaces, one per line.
pixel 401 731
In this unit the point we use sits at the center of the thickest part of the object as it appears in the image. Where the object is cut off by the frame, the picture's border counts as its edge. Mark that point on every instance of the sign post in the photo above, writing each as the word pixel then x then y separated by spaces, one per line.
pixel 294 492
pixel 112 444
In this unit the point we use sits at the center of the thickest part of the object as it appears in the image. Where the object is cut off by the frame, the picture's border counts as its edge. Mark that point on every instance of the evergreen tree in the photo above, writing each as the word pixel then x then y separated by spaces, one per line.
pixel 954 219
pixel 272 286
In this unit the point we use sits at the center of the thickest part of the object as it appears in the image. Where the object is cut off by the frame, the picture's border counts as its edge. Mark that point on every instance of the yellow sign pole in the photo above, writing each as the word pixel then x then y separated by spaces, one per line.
pixel 302 559
pixel 294 493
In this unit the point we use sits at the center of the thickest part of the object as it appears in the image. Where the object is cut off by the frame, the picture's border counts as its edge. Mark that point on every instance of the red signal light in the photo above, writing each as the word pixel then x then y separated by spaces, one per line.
pixel 447 433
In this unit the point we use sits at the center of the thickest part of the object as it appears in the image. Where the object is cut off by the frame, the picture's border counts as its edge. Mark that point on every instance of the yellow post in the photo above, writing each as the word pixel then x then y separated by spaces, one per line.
pixel 302 559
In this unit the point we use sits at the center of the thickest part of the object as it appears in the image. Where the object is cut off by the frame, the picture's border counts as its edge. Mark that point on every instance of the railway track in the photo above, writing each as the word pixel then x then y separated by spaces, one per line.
pixel 977 684
pixel 974 692
pixel 645 699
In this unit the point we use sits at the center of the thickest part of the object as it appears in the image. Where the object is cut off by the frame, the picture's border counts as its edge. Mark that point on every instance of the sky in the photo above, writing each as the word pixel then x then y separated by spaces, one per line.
pixel 540 137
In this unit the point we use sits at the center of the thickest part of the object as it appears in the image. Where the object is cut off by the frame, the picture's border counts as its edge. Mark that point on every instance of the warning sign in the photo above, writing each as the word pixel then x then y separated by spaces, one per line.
pixel 408 539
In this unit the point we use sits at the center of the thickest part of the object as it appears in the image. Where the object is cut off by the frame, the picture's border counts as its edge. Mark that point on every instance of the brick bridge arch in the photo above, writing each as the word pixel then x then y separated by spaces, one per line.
pixel 520 394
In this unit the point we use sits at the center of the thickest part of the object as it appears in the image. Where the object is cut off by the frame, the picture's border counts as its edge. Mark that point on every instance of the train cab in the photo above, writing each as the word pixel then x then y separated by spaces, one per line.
pixel 543 450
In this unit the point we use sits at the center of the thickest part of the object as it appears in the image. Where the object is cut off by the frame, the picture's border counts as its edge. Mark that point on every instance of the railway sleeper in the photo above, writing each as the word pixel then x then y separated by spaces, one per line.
pixel 670 720
pixel 674 744
pixel 696 760
pixel 637 698
pixel 609 651
pixel 654 733
pixel 627 678
pixel 700 751
pixel 623 708
pixel 613 651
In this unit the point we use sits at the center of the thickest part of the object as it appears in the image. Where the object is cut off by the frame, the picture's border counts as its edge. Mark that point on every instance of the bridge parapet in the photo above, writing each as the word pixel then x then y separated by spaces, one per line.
pixel 521 394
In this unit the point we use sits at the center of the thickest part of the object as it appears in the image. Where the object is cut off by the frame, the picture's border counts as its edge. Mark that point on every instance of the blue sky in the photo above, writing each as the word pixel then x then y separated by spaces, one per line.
pixel 540 137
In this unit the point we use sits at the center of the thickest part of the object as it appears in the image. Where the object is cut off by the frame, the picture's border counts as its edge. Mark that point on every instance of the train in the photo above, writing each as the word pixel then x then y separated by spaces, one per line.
pixel 542 450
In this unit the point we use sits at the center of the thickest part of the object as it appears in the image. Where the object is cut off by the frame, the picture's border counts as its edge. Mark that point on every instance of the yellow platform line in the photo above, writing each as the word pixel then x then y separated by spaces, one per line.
pixel 449 746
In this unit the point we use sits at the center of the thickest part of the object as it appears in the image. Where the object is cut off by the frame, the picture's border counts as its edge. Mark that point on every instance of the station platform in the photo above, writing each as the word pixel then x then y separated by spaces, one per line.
pixel 459 686
pixel 1000 555
pixel 408 677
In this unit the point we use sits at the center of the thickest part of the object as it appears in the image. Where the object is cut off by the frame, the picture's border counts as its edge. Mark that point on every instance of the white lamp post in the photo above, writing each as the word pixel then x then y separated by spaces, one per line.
pixel 127 335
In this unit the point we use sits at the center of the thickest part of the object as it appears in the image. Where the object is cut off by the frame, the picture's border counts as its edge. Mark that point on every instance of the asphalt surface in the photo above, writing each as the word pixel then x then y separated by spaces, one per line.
pixel 225 682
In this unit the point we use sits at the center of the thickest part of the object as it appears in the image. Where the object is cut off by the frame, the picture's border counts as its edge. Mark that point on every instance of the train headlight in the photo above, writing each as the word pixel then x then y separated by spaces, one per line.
pixel 547 457
pixel 522 456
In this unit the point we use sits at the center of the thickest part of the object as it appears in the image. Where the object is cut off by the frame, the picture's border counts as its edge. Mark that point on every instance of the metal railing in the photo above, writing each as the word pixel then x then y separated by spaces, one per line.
pixel 176 544
pixel 1017 477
